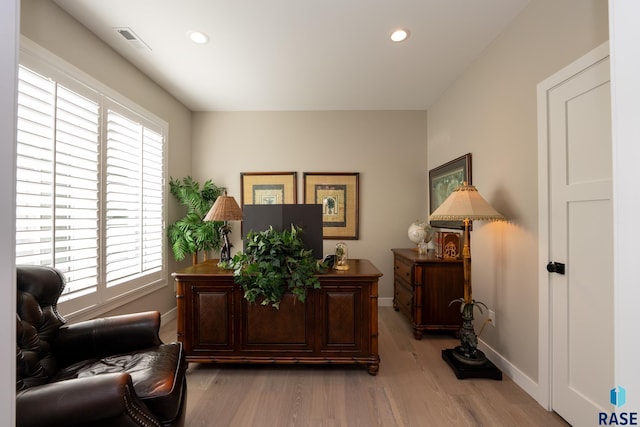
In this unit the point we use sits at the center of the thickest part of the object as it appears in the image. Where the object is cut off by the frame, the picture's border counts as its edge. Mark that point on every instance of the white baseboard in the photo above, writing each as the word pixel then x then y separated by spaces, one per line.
pixel 169 316
pixel 531 387
pixel 385 302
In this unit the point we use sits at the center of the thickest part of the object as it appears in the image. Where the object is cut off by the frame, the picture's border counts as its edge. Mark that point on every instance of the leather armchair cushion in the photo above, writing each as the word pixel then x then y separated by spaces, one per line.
pixel 99 401
pixel 156 373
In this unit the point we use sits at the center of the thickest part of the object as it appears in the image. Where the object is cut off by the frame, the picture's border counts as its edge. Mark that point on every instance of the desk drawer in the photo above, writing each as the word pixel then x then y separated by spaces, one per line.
pixel 404 271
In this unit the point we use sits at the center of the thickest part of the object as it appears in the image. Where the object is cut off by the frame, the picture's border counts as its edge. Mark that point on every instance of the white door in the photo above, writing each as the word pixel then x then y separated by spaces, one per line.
pixel 580 226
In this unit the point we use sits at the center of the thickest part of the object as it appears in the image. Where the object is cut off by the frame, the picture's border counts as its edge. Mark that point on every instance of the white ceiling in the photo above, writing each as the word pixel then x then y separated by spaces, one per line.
pixel 270 55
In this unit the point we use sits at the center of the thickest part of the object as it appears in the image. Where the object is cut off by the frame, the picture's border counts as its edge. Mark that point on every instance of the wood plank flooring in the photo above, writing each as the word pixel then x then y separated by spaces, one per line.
pixel 414 387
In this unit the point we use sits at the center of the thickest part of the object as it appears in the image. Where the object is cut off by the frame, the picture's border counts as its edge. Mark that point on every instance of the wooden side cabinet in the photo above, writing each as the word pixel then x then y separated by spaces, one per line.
pixel 423 288
pixel 337 324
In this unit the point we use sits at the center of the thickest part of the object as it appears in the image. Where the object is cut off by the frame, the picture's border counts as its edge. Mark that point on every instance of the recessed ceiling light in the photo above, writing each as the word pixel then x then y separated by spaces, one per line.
pixel 399 35
pixel 198 37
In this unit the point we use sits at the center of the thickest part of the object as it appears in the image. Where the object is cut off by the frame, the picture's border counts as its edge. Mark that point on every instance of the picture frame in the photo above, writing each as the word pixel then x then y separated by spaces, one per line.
pixel 268 188
pixel 338 193
pixel 443 180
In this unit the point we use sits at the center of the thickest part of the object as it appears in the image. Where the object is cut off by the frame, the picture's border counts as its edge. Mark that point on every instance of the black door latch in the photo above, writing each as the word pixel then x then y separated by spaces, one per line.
pixel 555 267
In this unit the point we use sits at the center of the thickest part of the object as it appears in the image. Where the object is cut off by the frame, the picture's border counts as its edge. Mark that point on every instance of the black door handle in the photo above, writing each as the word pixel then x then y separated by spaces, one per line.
pixel 555 267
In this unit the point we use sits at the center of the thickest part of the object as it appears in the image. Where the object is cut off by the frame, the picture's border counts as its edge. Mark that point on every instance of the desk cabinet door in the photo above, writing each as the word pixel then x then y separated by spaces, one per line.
pixel 265 329
pixel 211 317
pixel 343 318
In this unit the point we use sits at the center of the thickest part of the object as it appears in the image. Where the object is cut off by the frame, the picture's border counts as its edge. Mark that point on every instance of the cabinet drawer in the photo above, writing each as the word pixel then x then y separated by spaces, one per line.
pixel 404 271
pixel 404 299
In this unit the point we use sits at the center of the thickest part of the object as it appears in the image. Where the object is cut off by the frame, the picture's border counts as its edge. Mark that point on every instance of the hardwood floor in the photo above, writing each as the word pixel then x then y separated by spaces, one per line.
pixel 414 387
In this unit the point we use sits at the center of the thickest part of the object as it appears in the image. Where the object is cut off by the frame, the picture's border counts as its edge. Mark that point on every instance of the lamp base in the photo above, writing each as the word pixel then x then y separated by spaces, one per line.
pixel 465 370
pixel 479 360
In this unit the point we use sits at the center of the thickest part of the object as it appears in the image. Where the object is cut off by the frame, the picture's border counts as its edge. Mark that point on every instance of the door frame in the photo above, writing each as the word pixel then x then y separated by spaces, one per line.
pixel 544 300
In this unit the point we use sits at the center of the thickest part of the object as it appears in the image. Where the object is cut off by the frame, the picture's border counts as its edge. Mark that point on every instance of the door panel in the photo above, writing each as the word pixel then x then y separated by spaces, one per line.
pixel 581 227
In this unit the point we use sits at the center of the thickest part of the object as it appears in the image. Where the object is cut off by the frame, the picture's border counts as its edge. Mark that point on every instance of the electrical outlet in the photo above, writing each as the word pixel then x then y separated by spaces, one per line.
pixel 492 317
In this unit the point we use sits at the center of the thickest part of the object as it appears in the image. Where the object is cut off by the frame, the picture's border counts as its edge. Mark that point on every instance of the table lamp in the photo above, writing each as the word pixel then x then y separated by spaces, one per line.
pixel 224 209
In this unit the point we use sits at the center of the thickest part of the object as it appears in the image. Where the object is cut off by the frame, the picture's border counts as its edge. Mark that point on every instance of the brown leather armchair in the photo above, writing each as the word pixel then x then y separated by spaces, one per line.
pixel 113 371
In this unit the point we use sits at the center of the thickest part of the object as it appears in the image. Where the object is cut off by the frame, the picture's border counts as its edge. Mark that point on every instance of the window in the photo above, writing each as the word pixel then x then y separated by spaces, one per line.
pixel 89 187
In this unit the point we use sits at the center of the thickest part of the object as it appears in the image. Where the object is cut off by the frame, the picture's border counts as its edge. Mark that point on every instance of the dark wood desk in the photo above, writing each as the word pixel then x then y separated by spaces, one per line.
pixel 338 323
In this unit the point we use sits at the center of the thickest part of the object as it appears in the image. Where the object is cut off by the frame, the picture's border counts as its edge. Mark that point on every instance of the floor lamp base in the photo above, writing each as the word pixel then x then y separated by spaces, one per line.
pixel 479 360
pixel 465 370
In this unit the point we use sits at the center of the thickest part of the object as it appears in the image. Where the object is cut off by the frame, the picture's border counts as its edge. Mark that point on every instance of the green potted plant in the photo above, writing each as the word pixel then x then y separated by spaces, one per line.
pixel 190 234
pixel 274 262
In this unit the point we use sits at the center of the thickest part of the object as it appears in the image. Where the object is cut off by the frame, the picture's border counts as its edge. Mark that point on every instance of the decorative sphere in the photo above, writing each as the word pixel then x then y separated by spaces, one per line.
pixel 420 232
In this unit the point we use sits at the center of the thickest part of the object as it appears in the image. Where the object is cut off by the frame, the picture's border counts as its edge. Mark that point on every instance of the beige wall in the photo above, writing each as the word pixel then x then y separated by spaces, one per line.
pixel 491 112
pixel 46 24
pixel 387 148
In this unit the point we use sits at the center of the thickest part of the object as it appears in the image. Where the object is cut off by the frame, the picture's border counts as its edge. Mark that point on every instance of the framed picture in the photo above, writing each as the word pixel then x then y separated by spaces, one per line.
pixel 443 180
pixel 268 188
pixel 338 195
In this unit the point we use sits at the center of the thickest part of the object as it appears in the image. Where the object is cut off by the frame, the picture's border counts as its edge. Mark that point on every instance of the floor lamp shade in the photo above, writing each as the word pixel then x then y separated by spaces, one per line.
pixel 465 203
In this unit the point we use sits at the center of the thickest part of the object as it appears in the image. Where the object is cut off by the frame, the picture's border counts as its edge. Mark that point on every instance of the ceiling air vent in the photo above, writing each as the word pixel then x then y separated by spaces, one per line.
pixel 132 38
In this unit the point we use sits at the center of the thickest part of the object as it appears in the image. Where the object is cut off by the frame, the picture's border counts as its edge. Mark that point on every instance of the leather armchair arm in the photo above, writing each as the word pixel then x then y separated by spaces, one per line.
pixel 107 336
pixel 100 400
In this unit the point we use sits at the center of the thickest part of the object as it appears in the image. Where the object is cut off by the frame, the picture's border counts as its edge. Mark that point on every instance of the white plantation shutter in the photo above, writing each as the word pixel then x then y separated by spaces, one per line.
pixel 123 197
pixel 133 198
pixel 34 169
pixel 57 181
pixel 152 200
pixel 90 187
pixel 76 192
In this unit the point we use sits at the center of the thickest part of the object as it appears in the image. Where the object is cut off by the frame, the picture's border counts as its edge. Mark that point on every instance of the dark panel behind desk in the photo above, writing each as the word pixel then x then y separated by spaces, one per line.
pixel 306 216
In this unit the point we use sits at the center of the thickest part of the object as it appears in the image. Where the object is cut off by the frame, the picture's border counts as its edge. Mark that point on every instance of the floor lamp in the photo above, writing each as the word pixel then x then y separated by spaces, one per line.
pixel 224 209
pixel 466 204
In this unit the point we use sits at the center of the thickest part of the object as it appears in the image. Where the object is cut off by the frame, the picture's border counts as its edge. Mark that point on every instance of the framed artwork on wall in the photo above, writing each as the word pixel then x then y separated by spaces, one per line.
pixel 443 180
pixel 338 195
pixel 268 188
